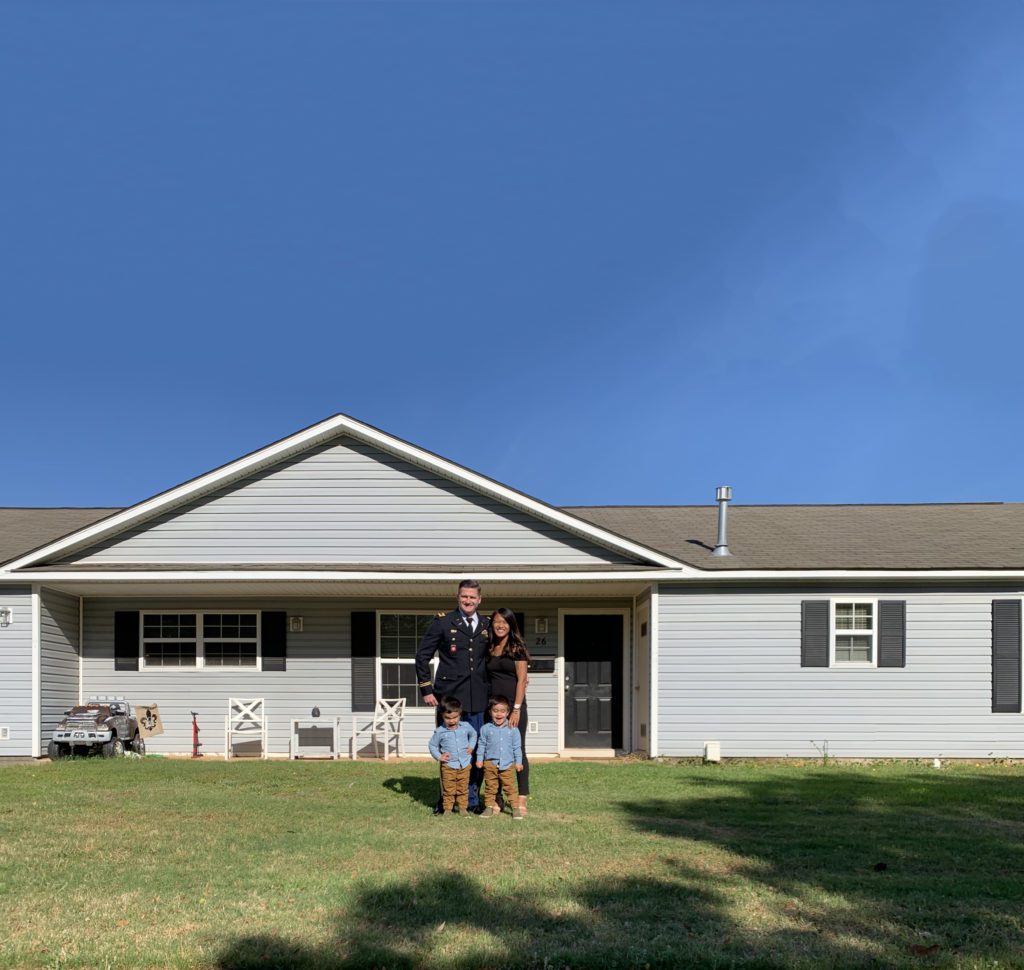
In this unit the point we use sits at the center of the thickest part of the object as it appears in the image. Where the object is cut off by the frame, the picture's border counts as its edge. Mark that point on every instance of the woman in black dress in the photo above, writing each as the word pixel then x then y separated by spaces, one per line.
pixel 507 661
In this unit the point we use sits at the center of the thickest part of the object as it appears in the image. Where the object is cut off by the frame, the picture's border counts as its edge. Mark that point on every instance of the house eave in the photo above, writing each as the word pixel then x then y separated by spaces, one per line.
pixel 114 577
pixel 384 574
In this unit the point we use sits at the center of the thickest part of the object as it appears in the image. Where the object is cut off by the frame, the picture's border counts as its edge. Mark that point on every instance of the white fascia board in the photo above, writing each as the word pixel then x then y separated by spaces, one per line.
pixel 651 575
pixel 342 424
pixel 510 496
pixel 855 575
pixel 316 575
pixel 179 494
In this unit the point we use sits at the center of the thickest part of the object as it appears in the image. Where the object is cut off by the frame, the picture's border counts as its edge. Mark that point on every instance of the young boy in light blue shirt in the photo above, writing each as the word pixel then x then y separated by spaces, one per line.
pixel 501 750
pixel 452 744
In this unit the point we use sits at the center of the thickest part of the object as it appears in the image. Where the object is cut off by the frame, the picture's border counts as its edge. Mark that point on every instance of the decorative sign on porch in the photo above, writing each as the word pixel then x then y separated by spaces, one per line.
pixel 148 716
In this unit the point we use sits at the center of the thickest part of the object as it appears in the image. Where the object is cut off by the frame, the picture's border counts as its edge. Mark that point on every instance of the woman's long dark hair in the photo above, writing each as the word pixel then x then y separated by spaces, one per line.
pixel 516 645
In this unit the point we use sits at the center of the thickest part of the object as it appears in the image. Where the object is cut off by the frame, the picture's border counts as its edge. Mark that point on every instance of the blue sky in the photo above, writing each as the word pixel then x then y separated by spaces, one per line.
pixel 608 253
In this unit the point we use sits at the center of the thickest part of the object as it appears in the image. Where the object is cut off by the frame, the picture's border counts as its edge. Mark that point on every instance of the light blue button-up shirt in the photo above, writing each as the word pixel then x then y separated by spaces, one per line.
pixel 454 741
pixel 502 745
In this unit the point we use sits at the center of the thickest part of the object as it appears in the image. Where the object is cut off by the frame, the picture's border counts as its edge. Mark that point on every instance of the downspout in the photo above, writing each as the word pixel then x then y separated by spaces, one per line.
pixel 652 730
pixel 81 645
pixel 37 669
pixel 634 687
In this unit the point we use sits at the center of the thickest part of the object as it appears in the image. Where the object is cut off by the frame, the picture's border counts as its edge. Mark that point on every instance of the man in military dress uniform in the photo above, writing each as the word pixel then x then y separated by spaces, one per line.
pixel 460 639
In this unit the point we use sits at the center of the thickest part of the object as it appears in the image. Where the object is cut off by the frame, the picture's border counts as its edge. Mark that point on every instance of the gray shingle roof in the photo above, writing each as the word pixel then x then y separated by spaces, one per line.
pixel 22 530
pixel 976 536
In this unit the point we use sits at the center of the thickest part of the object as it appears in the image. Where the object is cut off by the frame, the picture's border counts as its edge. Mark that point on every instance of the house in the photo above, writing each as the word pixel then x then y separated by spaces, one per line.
pixel 304 573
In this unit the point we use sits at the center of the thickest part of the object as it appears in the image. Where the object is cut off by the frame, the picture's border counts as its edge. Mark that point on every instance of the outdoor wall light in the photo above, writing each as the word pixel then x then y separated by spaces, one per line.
pixel 6 616
pixel 540 624
pixel 295 624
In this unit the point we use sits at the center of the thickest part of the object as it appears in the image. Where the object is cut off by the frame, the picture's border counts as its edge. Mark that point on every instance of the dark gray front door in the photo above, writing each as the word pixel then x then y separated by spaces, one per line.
pixel 593 681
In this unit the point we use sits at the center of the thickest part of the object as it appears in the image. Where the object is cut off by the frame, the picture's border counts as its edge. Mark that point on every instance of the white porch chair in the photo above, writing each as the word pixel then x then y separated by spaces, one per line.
pixel 246 721
pixel 384 726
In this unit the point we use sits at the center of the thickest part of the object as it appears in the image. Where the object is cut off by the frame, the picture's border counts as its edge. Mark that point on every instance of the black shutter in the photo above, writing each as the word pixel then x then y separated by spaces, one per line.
pixel 814 650
pixel 1006 656
pixel 274 639
pixel 126 640
pixel 521 623
pixel 892 633
pixel 364 661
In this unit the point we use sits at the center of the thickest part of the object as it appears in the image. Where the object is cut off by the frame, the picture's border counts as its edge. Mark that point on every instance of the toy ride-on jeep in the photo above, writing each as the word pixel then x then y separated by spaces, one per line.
pixel 106 724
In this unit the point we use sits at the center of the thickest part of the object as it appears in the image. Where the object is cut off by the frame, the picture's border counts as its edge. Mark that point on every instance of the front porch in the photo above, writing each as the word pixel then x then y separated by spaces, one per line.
pixel 199 644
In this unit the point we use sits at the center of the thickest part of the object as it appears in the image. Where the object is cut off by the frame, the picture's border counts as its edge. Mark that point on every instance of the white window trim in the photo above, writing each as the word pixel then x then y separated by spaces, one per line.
pixel 391 660
pixel 200 645
pixel 627 634
pixel 846 664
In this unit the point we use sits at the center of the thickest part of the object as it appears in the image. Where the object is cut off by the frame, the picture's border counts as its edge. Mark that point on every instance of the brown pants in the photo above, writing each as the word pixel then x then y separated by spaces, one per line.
pixel 493 778
pixel 455 788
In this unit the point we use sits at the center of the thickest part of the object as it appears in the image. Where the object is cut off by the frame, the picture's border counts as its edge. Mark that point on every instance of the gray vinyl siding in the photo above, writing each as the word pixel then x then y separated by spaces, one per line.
pixel 16 673
pixel 318 672
pixel 729 670
pixel 58 658
pixel 347 502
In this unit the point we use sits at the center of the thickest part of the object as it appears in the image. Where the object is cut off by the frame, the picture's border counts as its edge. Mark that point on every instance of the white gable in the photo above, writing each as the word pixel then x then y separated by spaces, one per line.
pixel 347 502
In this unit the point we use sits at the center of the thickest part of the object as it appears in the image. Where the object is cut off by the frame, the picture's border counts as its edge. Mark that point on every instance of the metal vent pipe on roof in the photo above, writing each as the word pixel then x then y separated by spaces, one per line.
pixel 723 496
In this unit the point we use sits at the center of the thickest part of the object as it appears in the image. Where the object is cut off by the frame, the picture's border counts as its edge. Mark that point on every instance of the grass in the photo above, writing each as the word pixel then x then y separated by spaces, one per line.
pixel 160 863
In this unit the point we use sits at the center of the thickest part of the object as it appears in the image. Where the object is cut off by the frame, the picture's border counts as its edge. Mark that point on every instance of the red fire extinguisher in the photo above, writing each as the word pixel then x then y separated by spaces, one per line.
pixel 195 736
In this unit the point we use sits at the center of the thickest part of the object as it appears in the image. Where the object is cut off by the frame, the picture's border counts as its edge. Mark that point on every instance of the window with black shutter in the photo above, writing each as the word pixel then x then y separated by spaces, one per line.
pixel 1006 656
pixel 814 633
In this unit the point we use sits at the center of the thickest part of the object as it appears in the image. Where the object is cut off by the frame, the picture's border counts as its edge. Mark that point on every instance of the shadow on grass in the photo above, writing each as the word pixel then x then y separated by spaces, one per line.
pixel 731 870
pixel 890 869
pixel 411 925
pixel 423 791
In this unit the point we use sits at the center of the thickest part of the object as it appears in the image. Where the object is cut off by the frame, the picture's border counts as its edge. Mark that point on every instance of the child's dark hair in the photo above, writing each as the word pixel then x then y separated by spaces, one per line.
pixel 451 705
pixel 498 699
pixel 516 646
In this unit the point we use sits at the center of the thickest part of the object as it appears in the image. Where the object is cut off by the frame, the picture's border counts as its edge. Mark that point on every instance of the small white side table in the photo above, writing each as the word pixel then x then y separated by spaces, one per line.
pixel 296 749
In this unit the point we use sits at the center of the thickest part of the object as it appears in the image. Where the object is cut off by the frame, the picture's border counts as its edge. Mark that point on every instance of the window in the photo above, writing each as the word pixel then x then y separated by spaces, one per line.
pixel 201 640
pixel 399 636
pixel 853 632
pixel 169 640
pixel 229 640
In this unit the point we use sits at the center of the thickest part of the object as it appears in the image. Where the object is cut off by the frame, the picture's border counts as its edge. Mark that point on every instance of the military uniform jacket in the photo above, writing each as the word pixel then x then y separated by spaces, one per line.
pixel 462 660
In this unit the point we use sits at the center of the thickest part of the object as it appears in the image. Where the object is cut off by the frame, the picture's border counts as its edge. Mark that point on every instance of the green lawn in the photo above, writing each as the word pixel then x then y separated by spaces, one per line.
pixel 176 864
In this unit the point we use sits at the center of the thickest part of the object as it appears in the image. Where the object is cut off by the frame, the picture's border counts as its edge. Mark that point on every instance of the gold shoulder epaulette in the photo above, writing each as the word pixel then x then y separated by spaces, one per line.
pixel 439 615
